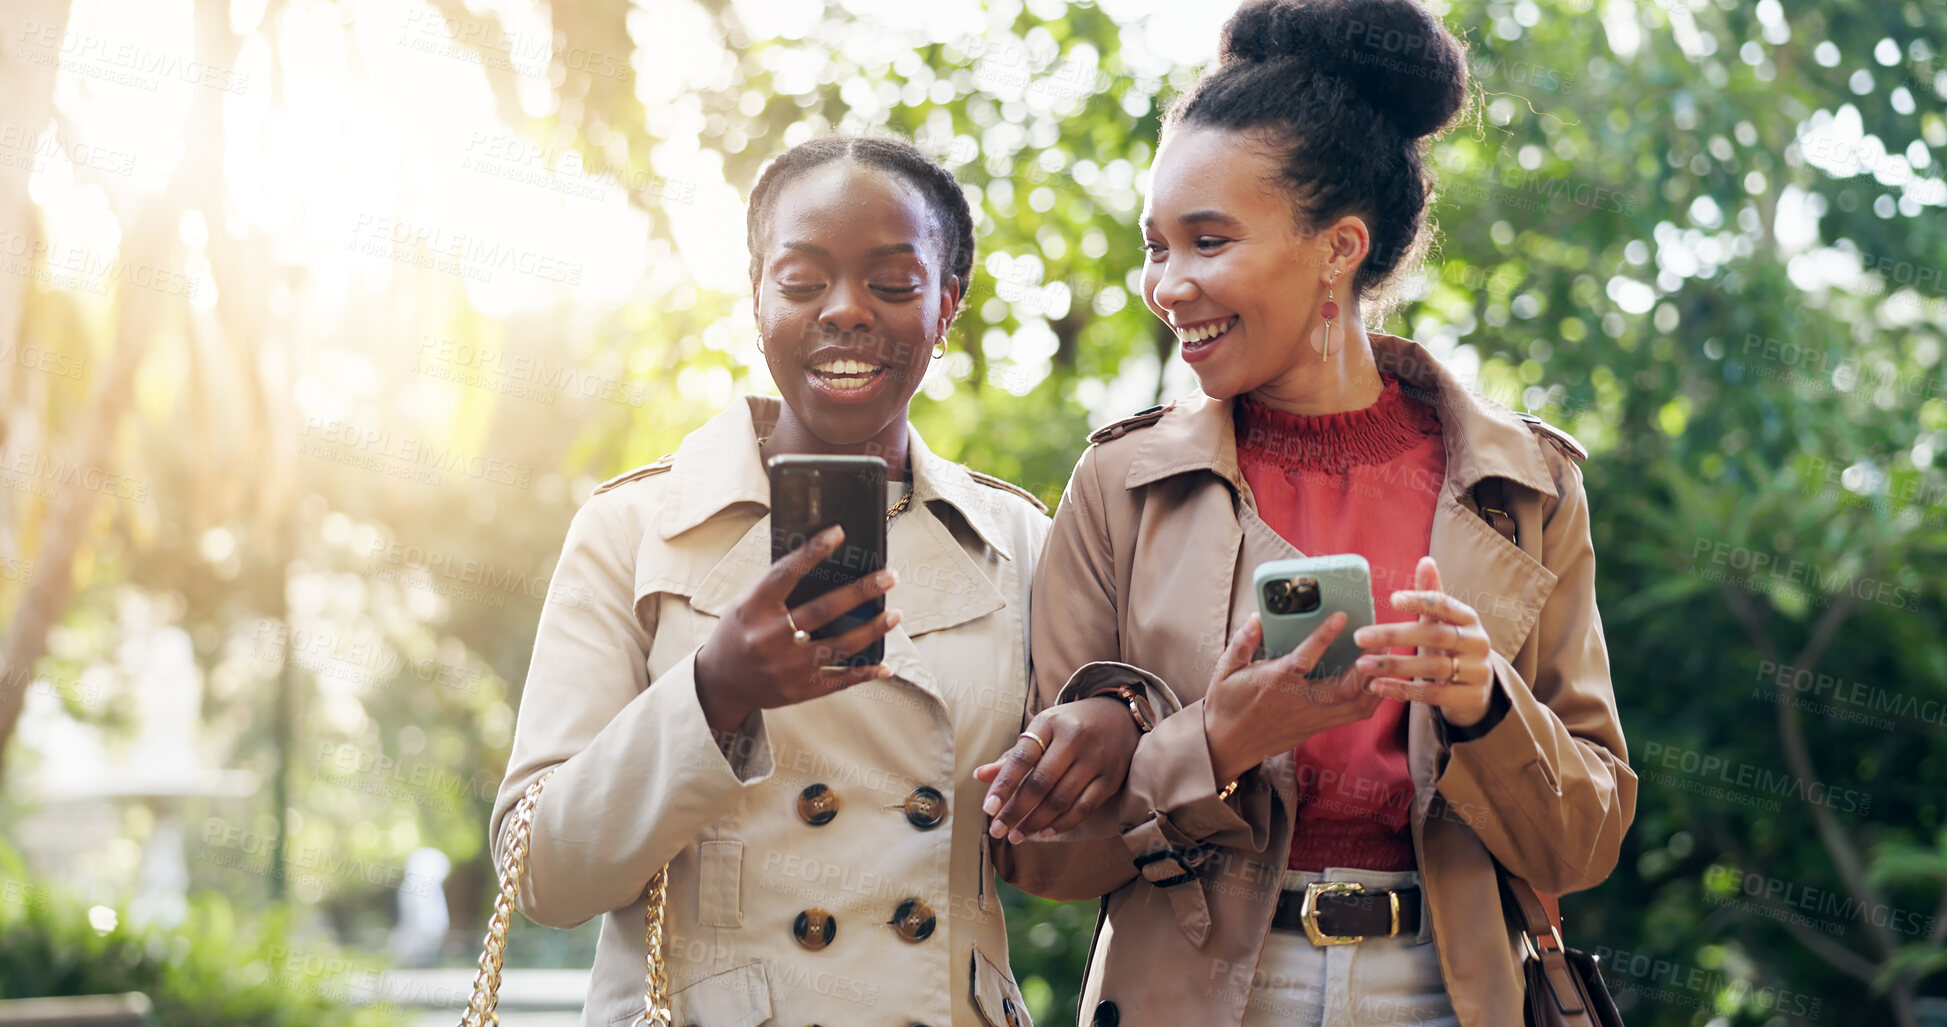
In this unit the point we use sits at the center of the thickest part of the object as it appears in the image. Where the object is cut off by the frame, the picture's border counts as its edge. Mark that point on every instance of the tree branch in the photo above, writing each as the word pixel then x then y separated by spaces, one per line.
pixel 1791 737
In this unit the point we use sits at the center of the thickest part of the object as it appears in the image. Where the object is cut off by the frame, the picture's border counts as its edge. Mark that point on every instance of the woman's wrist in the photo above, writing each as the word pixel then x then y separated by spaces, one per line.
pixel 1227 762
pixel 721 710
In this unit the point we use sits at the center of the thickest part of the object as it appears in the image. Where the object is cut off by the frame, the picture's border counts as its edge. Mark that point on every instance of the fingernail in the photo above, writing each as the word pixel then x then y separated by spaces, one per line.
pixel 1015 838
pixel 831 534
pixel 887 578
pixel 1044 834
pixel 1362 635
pixel 893 619
pixel 991 806
pixel 997 829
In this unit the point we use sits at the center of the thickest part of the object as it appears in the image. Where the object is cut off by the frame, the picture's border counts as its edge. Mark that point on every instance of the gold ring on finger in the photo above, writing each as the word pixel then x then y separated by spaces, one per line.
pixel 1454 675
pixel 1456 636
pixel 798 634
pixel 1038 740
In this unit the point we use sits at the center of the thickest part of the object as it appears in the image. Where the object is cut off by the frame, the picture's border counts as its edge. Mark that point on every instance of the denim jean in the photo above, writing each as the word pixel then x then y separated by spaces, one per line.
pixel 1379 982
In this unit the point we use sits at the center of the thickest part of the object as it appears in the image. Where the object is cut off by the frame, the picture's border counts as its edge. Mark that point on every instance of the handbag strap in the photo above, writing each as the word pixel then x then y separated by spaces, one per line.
pixel 480 1007
pixel 1541 925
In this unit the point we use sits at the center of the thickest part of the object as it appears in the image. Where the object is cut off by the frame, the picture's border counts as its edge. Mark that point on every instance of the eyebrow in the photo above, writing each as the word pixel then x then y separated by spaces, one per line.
pixel 1208 215
pixel 877 251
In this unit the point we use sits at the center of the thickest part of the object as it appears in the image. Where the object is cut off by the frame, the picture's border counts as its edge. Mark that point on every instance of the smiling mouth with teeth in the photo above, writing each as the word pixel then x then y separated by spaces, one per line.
pixel 1204 334
pixel 847 374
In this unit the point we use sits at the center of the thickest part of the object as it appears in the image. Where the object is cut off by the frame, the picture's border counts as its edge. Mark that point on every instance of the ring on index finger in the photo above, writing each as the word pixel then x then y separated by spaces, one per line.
pixel 798 634
pixel 1038 740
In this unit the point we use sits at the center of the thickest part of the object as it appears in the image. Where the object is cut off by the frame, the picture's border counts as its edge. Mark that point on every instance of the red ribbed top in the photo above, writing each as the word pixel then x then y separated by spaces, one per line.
pixel 1365 482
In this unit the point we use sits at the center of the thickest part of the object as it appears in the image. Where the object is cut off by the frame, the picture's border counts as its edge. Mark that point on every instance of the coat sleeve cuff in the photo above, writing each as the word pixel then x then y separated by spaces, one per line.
pixel 1172 783
pixel 1091 678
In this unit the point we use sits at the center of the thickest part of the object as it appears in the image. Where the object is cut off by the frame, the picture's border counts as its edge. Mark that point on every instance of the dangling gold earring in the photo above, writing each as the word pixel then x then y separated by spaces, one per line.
pixel 1330 312
pixel 939 348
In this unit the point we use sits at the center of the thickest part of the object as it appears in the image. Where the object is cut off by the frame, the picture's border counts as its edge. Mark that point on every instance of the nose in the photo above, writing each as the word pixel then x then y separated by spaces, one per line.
pixel 846 308
pixel 1173 287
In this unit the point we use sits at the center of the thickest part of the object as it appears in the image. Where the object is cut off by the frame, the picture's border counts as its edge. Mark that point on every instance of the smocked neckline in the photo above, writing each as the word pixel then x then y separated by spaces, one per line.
pixel 1393 424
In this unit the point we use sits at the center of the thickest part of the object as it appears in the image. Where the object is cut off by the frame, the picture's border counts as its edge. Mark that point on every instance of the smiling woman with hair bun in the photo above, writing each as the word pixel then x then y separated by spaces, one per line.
pixel 1290 850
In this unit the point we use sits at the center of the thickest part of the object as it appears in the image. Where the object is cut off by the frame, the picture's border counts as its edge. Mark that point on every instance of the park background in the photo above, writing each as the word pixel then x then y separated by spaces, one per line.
pixel 319 320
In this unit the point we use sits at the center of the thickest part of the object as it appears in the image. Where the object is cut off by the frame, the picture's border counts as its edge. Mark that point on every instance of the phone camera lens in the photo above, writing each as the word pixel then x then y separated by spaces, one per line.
pixel 1287 596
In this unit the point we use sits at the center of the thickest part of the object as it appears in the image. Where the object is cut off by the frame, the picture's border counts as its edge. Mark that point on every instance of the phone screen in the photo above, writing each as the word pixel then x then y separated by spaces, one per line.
pixel 812 493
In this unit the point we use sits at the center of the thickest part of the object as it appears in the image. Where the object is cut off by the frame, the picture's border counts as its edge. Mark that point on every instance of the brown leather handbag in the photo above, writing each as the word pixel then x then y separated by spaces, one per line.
pixel 1565 987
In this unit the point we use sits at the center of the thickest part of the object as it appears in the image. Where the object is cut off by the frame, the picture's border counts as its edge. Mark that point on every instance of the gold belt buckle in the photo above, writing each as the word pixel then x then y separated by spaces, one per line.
pixel 1309 911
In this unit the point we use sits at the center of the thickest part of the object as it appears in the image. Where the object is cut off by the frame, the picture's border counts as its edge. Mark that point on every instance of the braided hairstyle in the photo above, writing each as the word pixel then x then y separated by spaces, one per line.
pixel 895 155
pixel 1350 92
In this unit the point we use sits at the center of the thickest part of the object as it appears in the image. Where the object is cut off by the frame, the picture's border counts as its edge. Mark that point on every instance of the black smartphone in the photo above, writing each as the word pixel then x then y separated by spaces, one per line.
pixel 812 493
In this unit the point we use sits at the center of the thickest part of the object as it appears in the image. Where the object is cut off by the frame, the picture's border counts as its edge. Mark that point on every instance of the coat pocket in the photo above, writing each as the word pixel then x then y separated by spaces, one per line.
pixel 740 997
pixel 995 995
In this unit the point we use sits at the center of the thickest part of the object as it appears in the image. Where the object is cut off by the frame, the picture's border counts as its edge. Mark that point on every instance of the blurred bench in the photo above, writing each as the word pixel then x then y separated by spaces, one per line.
pixel 130 1010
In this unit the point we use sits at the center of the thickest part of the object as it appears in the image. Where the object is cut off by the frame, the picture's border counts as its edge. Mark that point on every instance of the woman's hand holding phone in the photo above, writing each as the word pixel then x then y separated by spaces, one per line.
pixel 753 661
pixel 1257 709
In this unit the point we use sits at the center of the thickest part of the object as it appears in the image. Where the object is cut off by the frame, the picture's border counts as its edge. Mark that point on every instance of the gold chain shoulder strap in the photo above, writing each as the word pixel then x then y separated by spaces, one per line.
pixel 486 983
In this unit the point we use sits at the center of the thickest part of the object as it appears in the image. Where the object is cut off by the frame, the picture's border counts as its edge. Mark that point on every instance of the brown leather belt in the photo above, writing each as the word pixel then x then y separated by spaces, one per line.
pixel 1341 912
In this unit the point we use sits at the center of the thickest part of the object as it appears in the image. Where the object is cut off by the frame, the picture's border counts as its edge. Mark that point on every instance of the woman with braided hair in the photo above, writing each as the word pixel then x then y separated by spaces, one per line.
pixel 828 858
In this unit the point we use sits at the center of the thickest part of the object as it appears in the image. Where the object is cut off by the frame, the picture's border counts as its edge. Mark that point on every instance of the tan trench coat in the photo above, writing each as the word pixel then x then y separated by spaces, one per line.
pixel 655 557
pixel 1149 565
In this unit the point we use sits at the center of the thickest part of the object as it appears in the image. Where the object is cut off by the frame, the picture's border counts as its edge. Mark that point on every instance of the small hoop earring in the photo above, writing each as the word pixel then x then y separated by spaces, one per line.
pixel 939 348
pixel 760 346
pixel 1330 312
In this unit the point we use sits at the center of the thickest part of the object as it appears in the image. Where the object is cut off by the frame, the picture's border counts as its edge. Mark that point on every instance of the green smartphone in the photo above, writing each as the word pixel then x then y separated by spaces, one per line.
pixel 1295 596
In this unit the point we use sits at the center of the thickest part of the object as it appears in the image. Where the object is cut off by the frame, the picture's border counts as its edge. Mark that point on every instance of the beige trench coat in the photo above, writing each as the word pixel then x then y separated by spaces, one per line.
pixel 1149 566
pixel 650 563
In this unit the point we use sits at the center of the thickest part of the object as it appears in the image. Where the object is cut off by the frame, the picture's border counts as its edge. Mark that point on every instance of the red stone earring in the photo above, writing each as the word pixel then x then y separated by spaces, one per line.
pixel 1330 312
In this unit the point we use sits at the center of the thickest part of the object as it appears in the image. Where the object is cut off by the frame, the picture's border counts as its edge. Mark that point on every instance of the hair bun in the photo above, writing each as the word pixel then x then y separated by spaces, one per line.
pixel 1394 54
